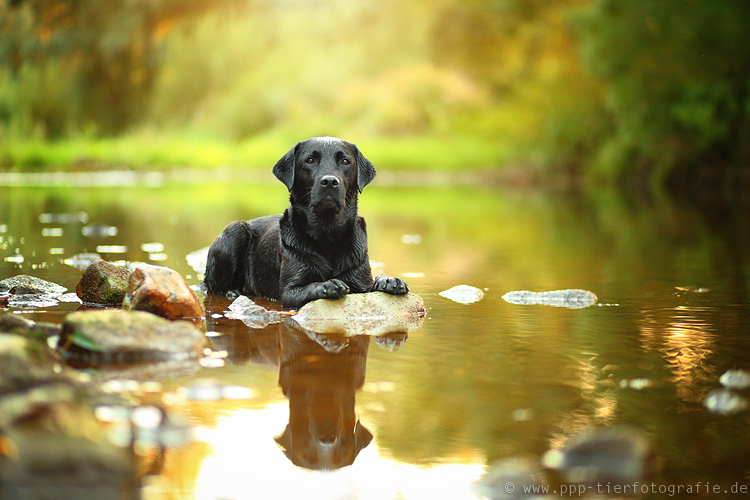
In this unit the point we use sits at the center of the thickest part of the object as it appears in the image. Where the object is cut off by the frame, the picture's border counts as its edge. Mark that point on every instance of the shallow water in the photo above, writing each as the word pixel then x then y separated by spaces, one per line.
pixel 479 382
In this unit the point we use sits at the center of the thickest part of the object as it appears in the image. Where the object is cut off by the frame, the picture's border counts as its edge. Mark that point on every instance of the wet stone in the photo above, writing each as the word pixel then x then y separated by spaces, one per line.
pixel 11 323
pixel 61 452
pixel 161 291
pixel 572 298
pixel 735 379
pixel 25 292
pixel 725 401
pixel 617 455
pixel 121 337
pixel 375 313
pixel 463 294
pixel 28 381
pixel 250 313
pixel 103 283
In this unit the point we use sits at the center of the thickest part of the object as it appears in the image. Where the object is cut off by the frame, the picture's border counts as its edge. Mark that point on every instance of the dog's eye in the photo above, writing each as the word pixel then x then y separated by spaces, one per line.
pixel 310 160
pixel 345 161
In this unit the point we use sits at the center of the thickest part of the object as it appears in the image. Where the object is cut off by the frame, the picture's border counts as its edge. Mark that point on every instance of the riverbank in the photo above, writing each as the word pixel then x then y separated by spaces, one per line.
pixel 144 151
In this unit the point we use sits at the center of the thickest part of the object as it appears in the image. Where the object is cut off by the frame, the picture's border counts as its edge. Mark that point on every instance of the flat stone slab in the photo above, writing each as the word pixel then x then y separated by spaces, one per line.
pixel 115 336
pixel 375 313
pixel 24 292
pixel 572 298
pixel 463 294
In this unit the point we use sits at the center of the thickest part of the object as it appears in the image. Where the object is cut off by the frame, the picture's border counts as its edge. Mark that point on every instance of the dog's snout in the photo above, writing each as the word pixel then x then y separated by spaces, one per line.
pixel 329 181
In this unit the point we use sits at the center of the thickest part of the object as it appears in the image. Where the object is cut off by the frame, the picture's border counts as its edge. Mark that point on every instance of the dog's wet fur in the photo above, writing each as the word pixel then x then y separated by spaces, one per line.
pixel 316 249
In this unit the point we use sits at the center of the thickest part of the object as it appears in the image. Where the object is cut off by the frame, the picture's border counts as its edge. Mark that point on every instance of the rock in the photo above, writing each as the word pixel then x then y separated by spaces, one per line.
pixel 725 401
pixel 29 292
pixel 250 313
pixel 10 323
pixel 509 479
pixel 56 465
pixel 735 379
pixel 27 379
pixel 51 446
pixel 618 455
pixel 463 294
pixel 374 313
pixel 120 337
pixel 572 299
pixel 161 291
pixel 103 283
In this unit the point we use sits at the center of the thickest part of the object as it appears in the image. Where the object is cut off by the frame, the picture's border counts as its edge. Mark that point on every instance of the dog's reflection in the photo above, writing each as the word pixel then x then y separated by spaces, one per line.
pixel 320 378
pixel 318 373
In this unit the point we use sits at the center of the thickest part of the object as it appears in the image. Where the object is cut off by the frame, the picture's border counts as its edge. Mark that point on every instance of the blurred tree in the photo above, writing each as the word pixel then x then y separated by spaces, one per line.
pixel 677 77
pixel 103 53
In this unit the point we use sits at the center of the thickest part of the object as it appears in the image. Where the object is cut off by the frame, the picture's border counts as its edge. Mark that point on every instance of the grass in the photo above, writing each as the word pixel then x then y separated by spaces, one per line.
pixel 148 151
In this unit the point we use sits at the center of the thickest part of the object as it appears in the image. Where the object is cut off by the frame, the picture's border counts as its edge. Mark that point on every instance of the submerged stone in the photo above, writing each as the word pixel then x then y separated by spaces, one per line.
pixel 463 294
pixel 24 292
pixel 374 313
pixel 103 283
pixel 51 445
pixel 725 401
pixel 11 323
pixel 572 298
pixel 114 336
pixel 617 455
pixel 161 291
pixel 61 452
pixel 735 379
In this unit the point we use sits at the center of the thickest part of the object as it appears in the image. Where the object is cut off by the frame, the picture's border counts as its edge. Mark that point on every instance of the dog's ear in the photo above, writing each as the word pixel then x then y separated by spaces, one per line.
pixel 284 168
pixel 365 170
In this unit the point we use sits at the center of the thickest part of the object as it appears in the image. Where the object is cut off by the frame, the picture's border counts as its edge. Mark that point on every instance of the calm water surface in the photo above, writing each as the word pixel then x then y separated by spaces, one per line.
pixel 476 383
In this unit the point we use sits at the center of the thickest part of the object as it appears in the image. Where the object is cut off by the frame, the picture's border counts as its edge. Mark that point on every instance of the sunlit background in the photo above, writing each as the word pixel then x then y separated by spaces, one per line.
pixel 605 90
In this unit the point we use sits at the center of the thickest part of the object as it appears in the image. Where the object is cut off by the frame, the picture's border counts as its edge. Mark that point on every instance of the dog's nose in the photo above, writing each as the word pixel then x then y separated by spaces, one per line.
pixel 329 181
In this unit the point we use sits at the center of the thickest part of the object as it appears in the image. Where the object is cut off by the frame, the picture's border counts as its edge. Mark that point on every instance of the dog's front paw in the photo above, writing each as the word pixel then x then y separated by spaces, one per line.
pixel 389 284
pixel 331 289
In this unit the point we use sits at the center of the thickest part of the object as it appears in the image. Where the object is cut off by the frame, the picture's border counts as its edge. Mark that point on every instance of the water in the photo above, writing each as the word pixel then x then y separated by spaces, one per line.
pixel 479 382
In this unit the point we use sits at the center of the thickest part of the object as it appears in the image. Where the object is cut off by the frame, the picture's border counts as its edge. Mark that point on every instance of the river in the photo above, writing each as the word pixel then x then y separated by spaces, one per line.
pixel 422 417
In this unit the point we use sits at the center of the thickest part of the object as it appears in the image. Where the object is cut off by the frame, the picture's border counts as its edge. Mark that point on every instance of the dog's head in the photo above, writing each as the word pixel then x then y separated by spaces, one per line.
pixel 324 173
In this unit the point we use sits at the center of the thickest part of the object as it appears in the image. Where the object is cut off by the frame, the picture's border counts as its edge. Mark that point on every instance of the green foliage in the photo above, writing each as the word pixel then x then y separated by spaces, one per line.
pixel 676 78
pixel 72 65
pixel 599 88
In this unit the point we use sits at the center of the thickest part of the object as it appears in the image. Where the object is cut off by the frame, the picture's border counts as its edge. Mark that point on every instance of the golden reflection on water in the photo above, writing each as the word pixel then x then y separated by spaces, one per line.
pixel 241 460
pixel 685 338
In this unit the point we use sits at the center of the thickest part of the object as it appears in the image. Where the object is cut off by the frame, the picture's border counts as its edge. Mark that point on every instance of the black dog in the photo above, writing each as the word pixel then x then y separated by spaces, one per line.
pixel 317 249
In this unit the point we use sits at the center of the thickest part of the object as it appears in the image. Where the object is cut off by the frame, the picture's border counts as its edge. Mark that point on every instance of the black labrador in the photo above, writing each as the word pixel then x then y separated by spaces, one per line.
pixel 316 249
